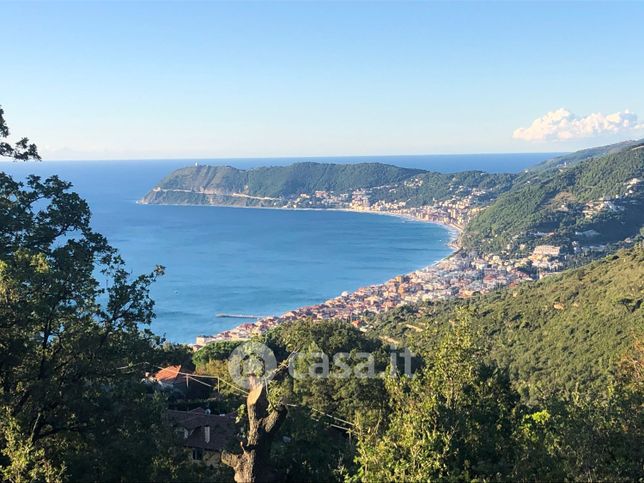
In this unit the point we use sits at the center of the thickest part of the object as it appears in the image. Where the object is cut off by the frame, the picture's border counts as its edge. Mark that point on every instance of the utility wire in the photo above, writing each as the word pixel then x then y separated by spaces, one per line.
pixel 197 378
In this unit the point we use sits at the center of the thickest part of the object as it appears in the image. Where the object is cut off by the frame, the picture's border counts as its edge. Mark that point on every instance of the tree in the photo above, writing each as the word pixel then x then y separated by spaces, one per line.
pixel 587 436
pixel 316 443
pixel 73 343
pixel 253 464
pixel 21 150
pixel 450 420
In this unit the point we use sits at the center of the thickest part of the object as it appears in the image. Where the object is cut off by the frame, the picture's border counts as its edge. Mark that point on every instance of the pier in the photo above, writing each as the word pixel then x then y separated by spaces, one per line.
pixel 241 316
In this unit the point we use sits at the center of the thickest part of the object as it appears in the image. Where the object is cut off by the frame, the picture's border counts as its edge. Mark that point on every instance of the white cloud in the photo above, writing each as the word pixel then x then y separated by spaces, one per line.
pixel 563 125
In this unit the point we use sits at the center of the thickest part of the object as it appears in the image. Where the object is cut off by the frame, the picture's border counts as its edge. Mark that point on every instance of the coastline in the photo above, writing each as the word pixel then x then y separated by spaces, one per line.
pixel 353 306
pixel 457 275
pixel 246 330
pixel 454 230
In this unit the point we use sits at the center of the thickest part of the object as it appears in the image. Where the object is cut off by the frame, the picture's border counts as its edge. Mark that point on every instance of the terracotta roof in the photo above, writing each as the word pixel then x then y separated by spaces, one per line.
pixel 222 428
pixel 170 375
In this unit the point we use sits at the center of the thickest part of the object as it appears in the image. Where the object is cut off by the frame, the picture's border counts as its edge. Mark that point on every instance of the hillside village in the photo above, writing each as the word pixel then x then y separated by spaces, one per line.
pixel 456 211
pixel 462 275
pixel 510 228
pixel 421 224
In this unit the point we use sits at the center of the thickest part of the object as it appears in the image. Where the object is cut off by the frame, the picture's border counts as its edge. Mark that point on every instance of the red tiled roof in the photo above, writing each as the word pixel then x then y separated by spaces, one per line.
pixel 171 375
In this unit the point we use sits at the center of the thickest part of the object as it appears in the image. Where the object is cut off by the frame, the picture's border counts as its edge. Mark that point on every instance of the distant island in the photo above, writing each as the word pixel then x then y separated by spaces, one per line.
pixel 511 227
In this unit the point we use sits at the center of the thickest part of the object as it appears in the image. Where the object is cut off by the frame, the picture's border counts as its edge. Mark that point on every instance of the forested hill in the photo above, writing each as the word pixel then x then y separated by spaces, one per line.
pixel 566 331
pixel 190 184
pixel 577 156
pixel 428 187
pixel 596 200
pixel 586 199
pixel 274 186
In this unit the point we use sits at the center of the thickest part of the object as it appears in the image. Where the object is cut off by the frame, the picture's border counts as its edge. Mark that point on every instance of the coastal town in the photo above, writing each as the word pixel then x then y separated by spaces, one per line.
pixel 458 275
pixel 455 211
pixel 461 275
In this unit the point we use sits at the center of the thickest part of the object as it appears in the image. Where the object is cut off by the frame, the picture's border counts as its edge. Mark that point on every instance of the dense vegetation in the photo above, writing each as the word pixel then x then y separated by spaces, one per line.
pixel 73 345
pixel 577 156
pixel 464 414
pixel 388 183
pixel 311 447
pixel 564 332
pixel 553 201
pixel 541 381
pixel 459 418
pixel 537 382
pixel 429 187
pixel 284 181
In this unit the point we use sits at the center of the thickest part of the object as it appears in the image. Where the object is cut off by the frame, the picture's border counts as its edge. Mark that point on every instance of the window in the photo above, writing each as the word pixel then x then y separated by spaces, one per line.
pixel 197 454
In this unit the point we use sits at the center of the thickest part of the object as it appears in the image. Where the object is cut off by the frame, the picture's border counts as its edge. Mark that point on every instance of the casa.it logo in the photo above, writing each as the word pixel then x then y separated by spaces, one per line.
pixel 251 363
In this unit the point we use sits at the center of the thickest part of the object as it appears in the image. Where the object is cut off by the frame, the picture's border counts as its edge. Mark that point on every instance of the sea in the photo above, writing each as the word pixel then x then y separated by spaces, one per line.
pixel 224 261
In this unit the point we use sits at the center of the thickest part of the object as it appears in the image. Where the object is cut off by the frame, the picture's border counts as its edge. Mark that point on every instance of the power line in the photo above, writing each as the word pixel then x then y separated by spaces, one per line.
pixel 197 378
pixel 220 380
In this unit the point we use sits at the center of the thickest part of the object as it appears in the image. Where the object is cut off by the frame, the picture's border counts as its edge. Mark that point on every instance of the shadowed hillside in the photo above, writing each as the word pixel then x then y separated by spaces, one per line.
pixel 564 331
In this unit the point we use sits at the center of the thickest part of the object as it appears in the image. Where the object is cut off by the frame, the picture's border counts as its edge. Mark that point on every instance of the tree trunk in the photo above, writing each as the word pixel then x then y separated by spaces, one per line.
pixel 253 464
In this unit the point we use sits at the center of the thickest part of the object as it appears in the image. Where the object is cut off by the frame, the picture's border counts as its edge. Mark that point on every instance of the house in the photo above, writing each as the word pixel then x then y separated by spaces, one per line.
pixel 546 250
pixel 204 435
pixel 181 381
pixel 173 376
pixel 542 257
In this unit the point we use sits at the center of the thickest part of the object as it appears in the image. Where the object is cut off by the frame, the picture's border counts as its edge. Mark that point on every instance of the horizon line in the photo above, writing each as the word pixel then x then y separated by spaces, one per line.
pixel 317 156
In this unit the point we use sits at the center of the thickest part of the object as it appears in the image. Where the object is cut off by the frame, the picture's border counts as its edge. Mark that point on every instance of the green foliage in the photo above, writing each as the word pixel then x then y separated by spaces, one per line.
pixel 564 332
pixel 578 156
pixel 215 351
pixel 506 391
pixel 387 182
pixel 563 341
pixel 582 437
pixel 459 419
pixel 74 344
pixel 592 436
pixel 21 150
pixel 430 187
pixel 308 449
pixel 176 354
pixel 25 463
pixel 338 394
pixel 308 177
pixel 280 181
pixel 311 445
pixel 451 420
pixel 534 204
pixel 212 360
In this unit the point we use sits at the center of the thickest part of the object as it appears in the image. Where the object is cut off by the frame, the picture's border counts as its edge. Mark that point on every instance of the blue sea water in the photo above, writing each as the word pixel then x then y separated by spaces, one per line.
pixel 250 261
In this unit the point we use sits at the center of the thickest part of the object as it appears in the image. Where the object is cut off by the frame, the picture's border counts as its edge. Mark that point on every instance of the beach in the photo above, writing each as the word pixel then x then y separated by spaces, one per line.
pixel 459 274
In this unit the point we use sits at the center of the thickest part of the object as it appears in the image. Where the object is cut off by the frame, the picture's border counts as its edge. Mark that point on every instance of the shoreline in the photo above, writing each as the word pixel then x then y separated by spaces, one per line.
pixel 261 324
pixel 454 230
pixel 457 275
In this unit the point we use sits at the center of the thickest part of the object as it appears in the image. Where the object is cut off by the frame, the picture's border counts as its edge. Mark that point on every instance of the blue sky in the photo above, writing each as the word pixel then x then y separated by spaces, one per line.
pixel 209 79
